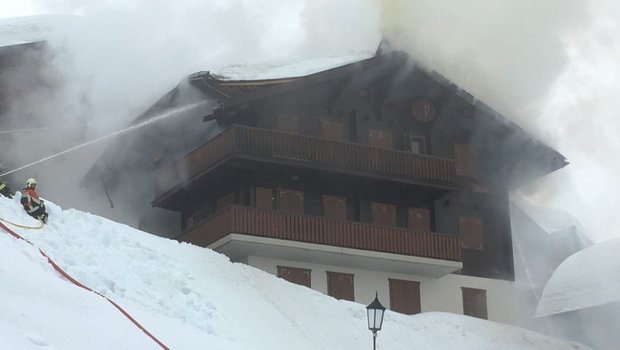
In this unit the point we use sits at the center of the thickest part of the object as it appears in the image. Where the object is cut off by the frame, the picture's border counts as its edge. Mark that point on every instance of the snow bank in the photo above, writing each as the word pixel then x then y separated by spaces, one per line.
pixel 190 298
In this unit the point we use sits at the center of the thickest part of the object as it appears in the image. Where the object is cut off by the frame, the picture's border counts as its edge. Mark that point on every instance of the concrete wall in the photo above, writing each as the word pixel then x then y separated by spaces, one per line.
pixel 443 294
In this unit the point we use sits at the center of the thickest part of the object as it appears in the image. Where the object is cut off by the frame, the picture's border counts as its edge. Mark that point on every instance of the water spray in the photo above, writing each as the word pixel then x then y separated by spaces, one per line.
pixel 46 128
pixel 163 115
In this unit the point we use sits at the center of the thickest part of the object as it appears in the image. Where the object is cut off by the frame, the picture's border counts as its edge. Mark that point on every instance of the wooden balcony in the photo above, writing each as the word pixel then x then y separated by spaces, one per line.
pixel 322 231
pixel 304 151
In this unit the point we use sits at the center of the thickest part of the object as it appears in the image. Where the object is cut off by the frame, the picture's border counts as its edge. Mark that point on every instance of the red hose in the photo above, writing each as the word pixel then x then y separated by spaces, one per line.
pixel 77 283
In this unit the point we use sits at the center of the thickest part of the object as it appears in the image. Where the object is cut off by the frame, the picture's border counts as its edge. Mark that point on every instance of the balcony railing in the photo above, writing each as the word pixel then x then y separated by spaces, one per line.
pixel 320 230
pixel 273 144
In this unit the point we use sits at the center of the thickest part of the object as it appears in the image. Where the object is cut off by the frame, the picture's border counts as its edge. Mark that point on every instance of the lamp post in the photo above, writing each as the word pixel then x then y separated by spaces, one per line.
pixel 375 318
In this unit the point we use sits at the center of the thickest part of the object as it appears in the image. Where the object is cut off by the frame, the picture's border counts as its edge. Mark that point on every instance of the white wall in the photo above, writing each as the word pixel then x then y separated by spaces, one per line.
pixel 443 294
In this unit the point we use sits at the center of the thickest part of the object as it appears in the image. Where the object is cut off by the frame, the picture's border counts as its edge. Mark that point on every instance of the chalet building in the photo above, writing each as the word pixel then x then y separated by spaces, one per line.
pixel 372 176
pixel 20 72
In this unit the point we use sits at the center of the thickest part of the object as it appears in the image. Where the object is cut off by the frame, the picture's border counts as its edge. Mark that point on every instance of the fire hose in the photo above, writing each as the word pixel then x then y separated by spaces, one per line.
pixel 77 283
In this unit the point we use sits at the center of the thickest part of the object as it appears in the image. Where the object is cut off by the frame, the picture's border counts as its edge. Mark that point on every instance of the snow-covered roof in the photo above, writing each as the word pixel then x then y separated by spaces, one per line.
pixel 29 29
pixel 287 67
pixel 551 220
pixel 588 278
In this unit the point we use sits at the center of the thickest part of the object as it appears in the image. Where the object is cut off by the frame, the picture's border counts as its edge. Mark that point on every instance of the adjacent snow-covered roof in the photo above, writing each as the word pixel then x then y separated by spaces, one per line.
pixel 30 29
pixel 588 278
pixel 551 220
pixel 287 68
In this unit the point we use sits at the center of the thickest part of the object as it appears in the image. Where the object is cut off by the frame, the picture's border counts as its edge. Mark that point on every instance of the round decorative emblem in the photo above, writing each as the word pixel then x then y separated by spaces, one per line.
pixel 423 110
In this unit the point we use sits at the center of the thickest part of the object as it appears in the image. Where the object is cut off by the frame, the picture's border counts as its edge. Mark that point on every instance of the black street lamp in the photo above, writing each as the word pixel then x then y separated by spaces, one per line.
pixel 375 318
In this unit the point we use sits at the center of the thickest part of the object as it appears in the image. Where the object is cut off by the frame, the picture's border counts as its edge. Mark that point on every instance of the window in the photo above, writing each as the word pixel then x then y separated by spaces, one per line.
pixel 334 207
pixel 226 201
pixel 288 124
pixel 295 275
pixel 465 161
pixel 383 214
pixel 475 302
pixel 340 285
pixel 332 130
pixel 471 232
pixel 405 296
pixel 419 219
pixel 380 138
pixel 417 144
pixel 291 201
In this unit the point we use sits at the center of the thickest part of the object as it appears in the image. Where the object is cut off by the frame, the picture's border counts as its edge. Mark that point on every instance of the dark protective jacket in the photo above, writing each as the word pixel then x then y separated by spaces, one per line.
pixel 33 205
pixel 5 190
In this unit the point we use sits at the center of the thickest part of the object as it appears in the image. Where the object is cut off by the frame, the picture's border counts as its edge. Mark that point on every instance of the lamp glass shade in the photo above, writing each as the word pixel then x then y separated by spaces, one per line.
pixel 375 315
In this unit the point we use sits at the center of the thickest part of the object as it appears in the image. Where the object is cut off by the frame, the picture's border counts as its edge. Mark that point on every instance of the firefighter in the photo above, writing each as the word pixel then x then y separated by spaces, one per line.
pixel 5 190
pixel 33 205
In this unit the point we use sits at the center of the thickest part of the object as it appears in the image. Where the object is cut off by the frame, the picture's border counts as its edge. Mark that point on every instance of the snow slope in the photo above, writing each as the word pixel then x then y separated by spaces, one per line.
pixel 191 298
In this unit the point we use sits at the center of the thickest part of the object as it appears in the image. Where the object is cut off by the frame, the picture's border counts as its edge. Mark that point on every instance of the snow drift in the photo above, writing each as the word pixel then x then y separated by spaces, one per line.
pixel 190 297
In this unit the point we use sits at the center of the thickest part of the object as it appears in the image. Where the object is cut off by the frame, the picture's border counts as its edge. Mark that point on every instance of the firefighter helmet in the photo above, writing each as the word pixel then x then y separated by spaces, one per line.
pixel 30 183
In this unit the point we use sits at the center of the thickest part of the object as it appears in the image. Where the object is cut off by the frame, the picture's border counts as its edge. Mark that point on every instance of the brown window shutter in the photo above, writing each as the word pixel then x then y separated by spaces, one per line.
pixel 334 207
pixel 288 124
pixel 475 302
pixel 465 161
pixel 264 198
pixel 405 296
pixel 340 285
pixel 332 130
pixel 291 201
pixel 419 219
pixel 471 232
pixel 383 214
pixel 295 275
pixel 380 138
pixel 226 201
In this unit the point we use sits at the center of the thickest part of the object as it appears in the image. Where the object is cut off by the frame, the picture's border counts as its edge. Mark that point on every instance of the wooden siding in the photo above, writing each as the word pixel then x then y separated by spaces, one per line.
pixel 266 143
pixel 319 230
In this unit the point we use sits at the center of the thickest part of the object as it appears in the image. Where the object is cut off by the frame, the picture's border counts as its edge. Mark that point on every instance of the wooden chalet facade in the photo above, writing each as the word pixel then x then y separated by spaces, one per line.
pixel 372 176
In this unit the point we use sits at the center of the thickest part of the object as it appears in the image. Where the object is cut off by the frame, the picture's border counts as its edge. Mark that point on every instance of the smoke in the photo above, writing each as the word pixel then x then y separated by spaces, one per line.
pixel 111 60
pixel 551 66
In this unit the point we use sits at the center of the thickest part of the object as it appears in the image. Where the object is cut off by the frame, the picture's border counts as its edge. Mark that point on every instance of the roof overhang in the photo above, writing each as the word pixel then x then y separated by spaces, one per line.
pixel 238 246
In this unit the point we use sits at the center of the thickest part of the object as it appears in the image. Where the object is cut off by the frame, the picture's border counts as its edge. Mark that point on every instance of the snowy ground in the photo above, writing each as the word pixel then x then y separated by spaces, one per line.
pixel 191 298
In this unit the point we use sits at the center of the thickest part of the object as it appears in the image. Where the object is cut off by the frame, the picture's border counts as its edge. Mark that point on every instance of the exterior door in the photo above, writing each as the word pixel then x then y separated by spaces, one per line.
pixel 405 296
pixel 383 214
pixel 419 219
pixel 295 275
pixel 471 232
pixel 264 198
pixel 332 130
pixel 334 207
pixel 464 161
pixel 380 138
pixel 291 201
pixel 475 302
pixel 340 285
